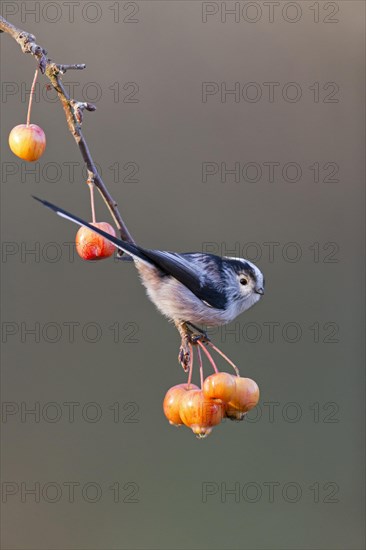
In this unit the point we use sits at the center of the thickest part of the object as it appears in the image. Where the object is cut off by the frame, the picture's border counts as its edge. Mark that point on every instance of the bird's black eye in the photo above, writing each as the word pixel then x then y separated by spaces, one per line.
pixel 243 281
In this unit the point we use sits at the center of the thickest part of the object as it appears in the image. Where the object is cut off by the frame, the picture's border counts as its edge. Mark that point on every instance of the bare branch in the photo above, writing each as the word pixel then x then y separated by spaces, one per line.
pixel 73 111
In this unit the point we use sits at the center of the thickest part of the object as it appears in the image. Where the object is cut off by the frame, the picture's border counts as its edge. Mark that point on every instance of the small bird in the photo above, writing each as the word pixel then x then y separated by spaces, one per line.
pixel 189 288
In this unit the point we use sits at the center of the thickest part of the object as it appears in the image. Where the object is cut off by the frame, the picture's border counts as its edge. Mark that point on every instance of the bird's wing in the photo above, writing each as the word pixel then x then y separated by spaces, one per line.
pixel 191 274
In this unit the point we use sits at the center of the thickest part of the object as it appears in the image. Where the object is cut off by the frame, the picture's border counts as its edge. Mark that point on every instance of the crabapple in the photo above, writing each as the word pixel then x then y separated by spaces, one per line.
pixel 172 401
pixel 220 385
pixel 245 397
pixel 91 246
pixel 199 413
pixel 27 141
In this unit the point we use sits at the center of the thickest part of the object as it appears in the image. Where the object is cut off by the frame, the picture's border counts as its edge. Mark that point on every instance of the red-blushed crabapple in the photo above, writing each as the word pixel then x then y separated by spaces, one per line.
pixel 91 246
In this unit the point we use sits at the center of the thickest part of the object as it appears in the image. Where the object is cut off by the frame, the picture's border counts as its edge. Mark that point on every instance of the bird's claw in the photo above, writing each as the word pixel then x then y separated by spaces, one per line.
pixel 189 338
pixel 184 357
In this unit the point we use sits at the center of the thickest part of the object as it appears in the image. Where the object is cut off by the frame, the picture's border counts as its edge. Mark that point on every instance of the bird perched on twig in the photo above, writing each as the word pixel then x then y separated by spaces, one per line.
pixel 191 288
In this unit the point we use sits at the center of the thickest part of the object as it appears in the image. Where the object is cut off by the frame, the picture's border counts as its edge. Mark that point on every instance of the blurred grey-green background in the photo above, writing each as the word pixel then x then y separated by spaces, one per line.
pixel 96 465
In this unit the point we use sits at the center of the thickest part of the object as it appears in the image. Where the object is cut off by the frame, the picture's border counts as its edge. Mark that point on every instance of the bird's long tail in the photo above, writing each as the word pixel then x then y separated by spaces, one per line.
pixel 131 249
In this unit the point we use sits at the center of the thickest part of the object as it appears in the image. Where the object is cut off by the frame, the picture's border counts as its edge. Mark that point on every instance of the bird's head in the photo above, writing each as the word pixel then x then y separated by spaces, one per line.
pixel 246 281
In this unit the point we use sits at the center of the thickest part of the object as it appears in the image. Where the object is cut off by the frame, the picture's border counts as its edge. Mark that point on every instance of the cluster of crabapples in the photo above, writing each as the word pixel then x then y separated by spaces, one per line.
pixel 28 142
pixel 223 395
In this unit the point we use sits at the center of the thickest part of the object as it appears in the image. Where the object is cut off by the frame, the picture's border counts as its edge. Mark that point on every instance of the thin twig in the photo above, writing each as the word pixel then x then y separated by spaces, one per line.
pixel 190 365
pixel 31 97
pixel 225 357
pixel 92 204
pixel 208 355
pixel 77 67
pixel 201 366
pixel 73 111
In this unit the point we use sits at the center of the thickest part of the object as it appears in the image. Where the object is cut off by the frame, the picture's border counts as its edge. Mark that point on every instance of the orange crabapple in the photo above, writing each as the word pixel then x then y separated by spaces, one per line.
pixel 245 398
pixel 172 401
pixel 220 385
pixel 199 413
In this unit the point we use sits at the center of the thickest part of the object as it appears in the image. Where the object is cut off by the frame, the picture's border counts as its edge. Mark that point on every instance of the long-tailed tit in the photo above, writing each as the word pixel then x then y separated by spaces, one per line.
pixel 190 288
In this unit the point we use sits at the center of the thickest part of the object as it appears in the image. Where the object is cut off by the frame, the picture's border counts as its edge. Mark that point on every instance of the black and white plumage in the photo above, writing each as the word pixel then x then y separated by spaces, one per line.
pixel 192 287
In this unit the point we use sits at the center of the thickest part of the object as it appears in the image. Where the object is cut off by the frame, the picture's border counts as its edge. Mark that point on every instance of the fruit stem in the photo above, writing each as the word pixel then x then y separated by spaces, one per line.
pixel 91 187
pixel 31 97
pixel 190 366
pixel 208 355
pixel 225 357
pixel 201 366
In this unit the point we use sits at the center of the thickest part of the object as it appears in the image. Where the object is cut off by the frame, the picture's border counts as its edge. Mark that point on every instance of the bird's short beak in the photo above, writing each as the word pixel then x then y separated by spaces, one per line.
pixel 259 290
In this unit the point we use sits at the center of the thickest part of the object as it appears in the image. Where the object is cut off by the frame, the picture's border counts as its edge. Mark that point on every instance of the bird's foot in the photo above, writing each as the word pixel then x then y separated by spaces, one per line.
pixel 189 338
pixel 198 333
pixel 184 356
